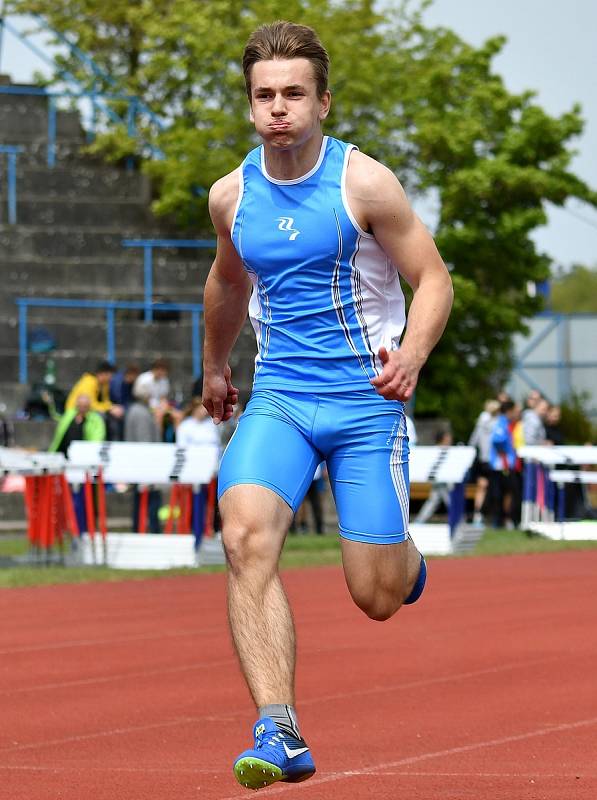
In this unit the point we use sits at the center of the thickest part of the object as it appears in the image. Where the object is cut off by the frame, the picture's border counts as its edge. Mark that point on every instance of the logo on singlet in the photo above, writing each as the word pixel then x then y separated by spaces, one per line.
pixel 286 224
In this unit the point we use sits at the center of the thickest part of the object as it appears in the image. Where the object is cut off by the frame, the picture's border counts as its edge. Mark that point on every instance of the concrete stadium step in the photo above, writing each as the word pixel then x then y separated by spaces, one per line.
pixel 113 275
pixel 66 152
pixel 90 335
pixel 12 397
pixel 33 434
pixel 68 241
pixel 26 116
pixel 101 182
pixel 83 212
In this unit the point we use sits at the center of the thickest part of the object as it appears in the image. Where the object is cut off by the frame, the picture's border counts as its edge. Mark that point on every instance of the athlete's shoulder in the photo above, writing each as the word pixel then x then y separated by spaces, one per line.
pixel 369 177
pixel 223 197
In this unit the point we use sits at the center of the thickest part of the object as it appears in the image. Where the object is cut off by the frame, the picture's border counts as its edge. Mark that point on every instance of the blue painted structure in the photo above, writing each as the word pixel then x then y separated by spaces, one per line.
pixel 564 357
pixel 110 307
pixel 11 151
pixel 148 246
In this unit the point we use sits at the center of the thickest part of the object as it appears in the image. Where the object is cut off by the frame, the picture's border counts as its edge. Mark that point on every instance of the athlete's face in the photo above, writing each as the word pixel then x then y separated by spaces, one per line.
pixel 285 108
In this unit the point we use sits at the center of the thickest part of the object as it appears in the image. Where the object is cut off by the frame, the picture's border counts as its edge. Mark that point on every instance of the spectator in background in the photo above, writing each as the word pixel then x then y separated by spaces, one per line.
pixel 197 427
pixel 553 429
pixel 121 385
pixel 481 440
pixel 154 384
pixel 140 426
pixel 121 391
pixel 440 492
pixel 532 423
pixel 78 424
pixel 502 460
pixel 96 385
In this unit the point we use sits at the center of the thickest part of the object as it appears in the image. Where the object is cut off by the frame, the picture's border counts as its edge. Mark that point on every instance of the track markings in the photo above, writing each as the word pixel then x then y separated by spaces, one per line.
pixel 380 769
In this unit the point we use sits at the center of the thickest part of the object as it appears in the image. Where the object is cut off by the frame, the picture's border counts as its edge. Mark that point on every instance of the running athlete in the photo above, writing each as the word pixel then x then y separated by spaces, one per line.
pixel 312 236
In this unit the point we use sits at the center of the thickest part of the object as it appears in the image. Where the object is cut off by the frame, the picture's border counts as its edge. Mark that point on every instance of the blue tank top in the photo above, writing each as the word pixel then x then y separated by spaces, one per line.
pixel 325 296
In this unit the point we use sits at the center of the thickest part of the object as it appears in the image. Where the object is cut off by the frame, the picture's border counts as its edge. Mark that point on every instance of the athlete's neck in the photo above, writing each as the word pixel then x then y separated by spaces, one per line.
pixel 287 165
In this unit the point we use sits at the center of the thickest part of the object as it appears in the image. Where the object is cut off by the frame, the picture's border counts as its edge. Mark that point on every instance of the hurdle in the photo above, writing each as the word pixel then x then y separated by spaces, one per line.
pixel 546 472
pixel 450 465
pixel 185 469
pixel 48 500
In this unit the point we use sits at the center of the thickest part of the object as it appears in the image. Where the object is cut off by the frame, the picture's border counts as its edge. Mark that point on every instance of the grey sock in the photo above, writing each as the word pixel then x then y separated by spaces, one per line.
pixel 284 717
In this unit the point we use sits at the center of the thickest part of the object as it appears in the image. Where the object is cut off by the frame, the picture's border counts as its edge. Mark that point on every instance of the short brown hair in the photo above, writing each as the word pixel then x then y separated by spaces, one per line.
pixel 287 40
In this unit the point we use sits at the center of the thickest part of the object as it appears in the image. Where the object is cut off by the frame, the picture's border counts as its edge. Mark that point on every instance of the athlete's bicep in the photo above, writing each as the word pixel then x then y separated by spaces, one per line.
pixel 227 265
pixel 384 208
pixel 403 237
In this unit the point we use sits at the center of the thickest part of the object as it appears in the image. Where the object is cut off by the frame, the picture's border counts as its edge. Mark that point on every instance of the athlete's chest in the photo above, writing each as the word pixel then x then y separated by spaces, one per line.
pixel 280 228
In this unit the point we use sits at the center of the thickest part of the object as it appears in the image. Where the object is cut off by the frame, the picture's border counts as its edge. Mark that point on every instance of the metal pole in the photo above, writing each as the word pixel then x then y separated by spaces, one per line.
pixel 51 131
pixel 22 343
pixel 196 344
pixel 148 280
pixel 110 335
pixel 12 188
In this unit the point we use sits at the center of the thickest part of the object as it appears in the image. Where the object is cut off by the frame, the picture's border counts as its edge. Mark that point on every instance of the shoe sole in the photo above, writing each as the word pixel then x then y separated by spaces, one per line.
pixel 254 773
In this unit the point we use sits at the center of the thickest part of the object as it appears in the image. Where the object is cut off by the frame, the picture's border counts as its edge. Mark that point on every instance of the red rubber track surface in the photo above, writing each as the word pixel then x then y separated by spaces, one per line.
pixel 485 689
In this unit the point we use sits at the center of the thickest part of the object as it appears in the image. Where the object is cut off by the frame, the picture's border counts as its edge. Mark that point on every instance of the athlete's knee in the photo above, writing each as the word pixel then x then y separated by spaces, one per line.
pixel 378 606
pixel 249 546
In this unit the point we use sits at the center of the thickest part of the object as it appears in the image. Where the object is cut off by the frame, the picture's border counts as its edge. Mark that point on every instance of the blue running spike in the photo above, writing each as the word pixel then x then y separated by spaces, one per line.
pixel 276 756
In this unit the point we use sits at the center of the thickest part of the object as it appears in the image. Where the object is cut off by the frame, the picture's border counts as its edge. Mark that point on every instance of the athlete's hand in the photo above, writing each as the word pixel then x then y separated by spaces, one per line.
pixel 399 376
pixel 219 395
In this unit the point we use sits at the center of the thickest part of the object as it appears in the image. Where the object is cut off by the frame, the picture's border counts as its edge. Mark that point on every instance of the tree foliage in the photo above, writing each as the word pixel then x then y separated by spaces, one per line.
pixel 421 100
pixel 575 292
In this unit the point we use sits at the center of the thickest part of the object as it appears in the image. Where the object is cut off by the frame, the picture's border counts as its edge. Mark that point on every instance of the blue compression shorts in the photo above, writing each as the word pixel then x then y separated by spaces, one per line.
pixel 282 437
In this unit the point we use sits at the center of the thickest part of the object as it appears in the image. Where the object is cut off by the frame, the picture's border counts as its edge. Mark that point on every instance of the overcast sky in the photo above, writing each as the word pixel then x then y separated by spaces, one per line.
pixel 551 48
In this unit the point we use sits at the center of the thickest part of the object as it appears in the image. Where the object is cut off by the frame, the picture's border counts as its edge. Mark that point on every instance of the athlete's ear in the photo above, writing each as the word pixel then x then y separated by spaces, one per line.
pixel 251 116
pixel 325 104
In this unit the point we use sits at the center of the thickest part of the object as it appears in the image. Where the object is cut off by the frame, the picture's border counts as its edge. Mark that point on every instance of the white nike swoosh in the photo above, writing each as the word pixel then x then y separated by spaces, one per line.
pixel 294 753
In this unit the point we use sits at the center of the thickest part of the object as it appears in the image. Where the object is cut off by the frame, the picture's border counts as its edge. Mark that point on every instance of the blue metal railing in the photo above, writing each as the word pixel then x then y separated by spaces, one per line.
pixel 110 307
pixel 148 246
pixel 11 152
pixel 93 88
pixel 99 102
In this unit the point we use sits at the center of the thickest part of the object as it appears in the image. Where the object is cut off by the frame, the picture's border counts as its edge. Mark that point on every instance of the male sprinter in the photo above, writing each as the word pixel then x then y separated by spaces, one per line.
pixel 316 233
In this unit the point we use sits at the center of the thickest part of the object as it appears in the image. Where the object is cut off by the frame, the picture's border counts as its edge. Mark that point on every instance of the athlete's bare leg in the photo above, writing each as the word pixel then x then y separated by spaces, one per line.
pixel 254 525
pixel 380 577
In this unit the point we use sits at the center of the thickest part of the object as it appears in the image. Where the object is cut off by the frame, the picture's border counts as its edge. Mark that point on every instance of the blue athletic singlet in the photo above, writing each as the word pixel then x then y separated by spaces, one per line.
pixel 325 296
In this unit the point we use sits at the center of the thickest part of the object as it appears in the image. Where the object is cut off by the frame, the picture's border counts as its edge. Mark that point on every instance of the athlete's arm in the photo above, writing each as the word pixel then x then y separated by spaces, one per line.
pixel 380 205
pixel 225 300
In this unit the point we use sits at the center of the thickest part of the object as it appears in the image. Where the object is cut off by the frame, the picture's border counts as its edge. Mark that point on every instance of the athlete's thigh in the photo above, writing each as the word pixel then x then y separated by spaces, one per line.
pixel 270 448
pixel 368 469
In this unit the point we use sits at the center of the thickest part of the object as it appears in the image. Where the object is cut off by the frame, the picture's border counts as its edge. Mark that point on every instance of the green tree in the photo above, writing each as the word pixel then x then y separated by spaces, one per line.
pixel 575 291
pixel 421 100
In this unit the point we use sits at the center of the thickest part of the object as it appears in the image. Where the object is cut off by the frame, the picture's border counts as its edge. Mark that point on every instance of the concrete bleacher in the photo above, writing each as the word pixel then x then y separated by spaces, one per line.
pixel 67 243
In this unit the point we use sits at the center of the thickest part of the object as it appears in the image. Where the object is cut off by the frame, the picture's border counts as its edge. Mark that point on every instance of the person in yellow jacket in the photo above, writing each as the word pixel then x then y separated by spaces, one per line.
pixel 96 385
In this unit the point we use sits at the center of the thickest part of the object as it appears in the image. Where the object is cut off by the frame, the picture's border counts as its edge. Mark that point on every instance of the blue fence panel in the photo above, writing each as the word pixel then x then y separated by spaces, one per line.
pixel 110 307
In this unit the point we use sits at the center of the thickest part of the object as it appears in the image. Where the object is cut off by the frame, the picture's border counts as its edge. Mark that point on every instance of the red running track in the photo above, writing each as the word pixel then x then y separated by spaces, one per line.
pixel 486 689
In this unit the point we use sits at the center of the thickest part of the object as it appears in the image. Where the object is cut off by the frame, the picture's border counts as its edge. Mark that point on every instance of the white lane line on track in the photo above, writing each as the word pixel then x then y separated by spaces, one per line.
pixel 114 732
pixel 430 681
pixel 170 768
pixel 310 701
pixel 150 673
pixel 140 637
pixel 467 748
